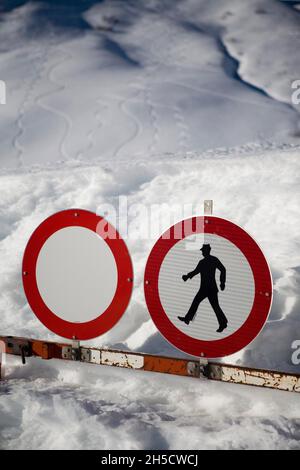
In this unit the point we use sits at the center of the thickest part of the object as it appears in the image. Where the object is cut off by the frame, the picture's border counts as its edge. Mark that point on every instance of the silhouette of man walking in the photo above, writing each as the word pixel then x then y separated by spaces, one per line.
pixel 208 288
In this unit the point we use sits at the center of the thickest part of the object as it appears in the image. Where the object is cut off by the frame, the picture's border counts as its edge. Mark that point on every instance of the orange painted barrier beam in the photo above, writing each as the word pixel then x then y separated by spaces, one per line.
pixel 28 347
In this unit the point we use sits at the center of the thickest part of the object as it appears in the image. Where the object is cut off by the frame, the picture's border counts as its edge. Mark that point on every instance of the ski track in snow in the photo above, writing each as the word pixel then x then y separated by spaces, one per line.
pixel 141 83
pixel 22 111
pixel 150 72
pixel 153 116
pixel 59 88
pixel 184 137
pixel 137 126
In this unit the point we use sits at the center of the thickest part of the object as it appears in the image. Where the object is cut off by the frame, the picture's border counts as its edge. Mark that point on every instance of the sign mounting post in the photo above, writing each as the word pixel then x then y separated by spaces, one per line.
pixel 208 207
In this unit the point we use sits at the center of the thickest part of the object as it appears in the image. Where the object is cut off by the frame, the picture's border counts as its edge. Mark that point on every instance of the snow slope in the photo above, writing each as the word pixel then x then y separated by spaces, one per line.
pixel 267 61
pixel 161 102
pixel 136 79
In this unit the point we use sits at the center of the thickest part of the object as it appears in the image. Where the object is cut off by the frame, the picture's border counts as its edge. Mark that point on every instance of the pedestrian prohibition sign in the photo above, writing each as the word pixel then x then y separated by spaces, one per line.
pixel 77 274
pixel 208 287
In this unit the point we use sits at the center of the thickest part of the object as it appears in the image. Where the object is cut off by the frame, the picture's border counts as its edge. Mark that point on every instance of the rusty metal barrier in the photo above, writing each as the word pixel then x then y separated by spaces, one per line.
pixel 26 347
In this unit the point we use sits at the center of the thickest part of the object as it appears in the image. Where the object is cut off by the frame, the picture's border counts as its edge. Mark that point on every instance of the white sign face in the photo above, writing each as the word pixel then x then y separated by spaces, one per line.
pixel 76 274
pixel 177 295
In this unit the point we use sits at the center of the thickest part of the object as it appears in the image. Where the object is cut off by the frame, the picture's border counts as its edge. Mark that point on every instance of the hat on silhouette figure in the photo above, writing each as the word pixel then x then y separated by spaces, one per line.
pixel 205 247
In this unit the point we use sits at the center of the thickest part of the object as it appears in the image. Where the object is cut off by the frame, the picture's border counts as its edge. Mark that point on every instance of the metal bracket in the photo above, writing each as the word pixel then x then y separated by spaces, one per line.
pixel 25 349
pixel 75 352
pixel 66 352
pixel 193 369
pixel 203 367
pixel 18 347
pixel 198 368
pixel 95 356
pixel 85 355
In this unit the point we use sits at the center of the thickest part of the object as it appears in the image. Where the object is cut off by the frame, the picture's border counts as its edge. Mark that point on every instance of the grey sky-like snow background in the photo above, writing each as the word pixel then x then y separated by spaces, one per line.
pixel 163 102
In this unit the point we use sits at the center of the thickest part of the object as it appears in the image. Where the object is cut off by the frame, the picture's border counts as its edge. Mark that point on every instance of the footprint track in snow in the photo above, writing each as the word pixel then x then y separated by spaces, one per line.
pixel 140 83
pixel 100 123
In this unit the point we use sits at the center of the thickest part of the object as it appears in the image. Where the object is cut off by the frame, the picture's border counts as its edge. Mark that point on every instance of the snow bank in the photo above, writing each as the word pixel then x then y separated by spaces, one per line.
pixel 268 61
pixel 89 407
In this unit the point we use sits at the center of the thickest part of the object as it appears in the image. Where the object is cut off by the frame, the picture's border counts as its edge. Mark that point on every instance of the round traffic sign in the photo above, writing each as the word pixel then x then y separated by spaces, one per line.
pixel 208 287
pixel 77 274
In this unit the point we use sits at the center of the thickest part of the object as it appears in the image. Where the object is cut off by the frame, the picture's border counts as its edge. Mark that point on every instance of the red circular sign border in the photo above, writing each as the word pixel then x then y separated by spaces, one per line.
pixel 118 305
pixel 261 274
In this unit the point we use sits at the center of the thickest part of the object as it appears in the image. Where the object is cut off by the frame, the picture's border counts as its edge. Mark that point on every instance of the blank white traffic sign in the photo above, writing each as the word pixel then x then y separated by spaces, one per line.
pixel 76 274
pixel 77 281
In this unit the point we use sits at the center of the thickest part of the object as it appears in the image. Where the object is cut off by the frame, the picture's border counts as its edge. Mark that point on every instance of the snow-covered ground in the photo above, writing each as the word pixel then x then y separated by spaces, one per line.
pixel 158 101
pixel 65 406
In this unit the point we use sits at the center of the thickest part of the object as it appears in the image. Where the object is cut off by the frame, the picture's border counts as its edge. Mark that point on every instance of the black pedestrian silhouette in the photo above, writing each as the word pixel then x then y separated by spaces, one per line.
pixel 208 288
